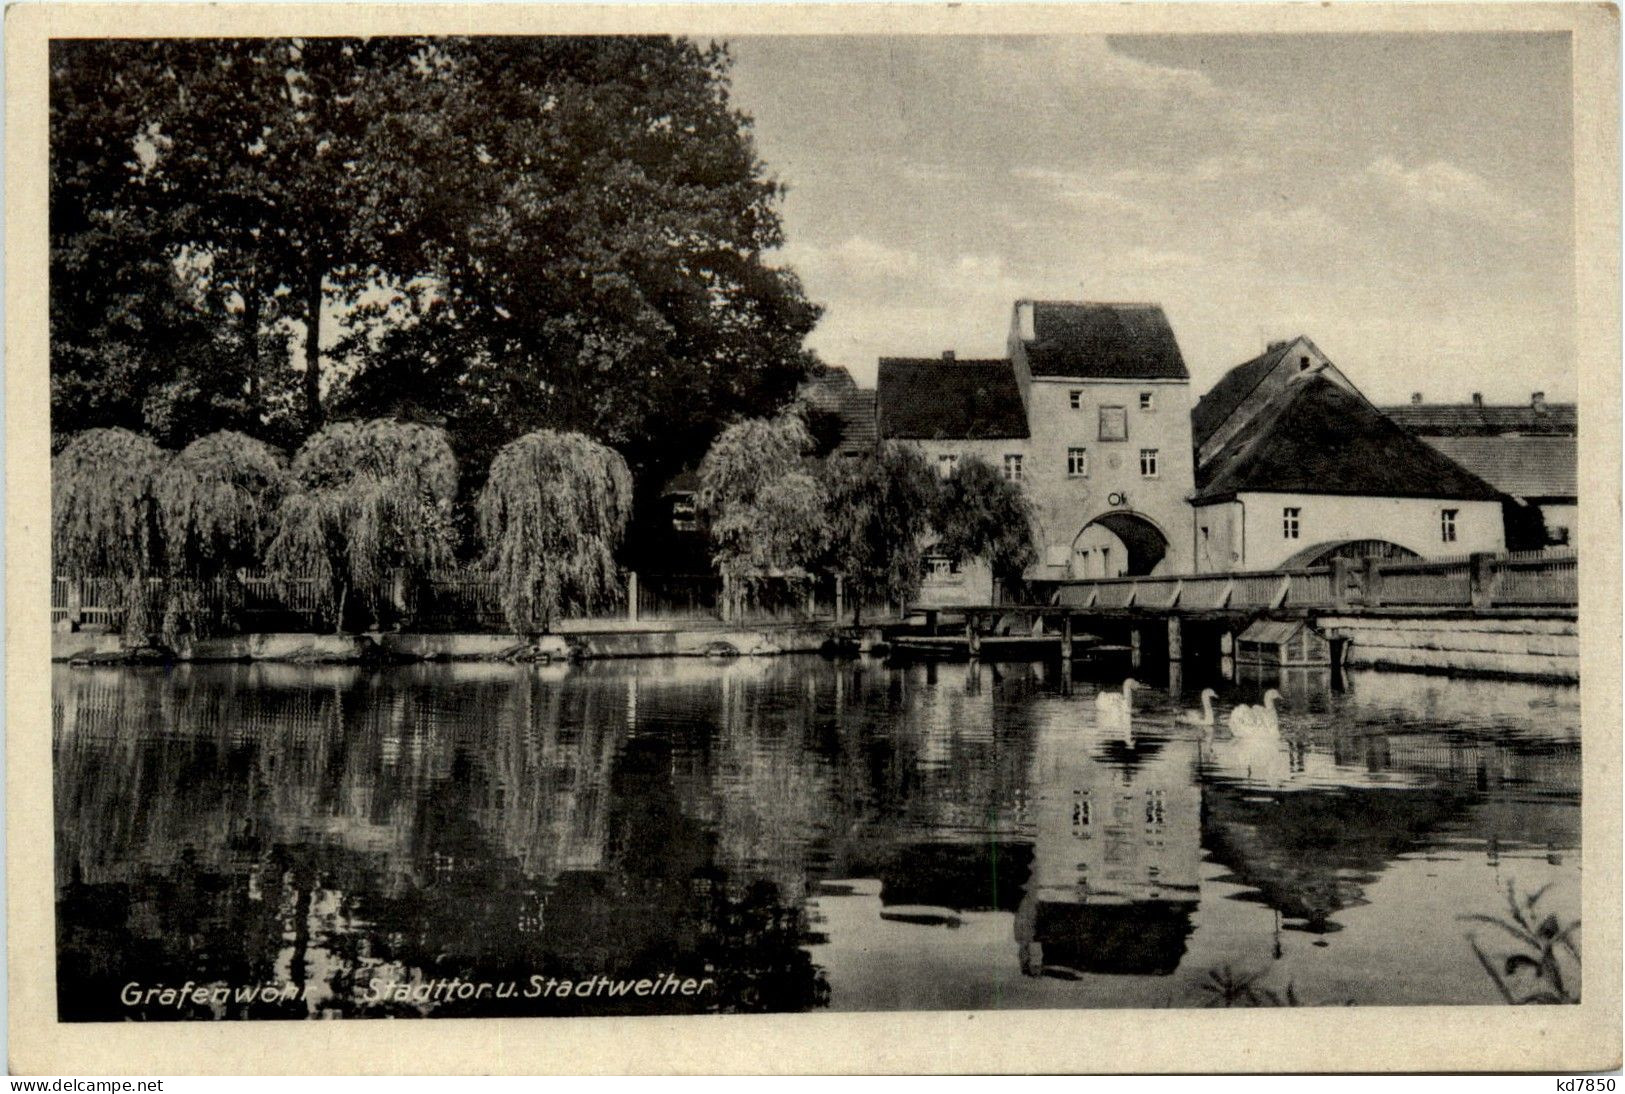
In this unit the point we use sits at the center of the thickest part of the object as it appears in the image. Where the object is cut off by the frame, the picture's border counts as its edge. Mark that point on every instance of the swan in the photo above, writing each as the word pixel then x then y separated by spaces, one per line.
pixel 1111 704
pixel 1251 721
pixel 1203 717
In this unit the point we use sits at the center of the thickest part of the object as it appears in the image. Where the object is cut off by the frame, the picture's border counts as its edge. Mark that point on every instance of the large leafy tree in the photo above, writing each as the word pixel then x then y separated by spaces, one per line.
pixel 370 505
pixel 202 191
pixel 552 514
pixel 132 343
pixel 598 255
pixel 982 515
pixel 513 234
pixel 881 507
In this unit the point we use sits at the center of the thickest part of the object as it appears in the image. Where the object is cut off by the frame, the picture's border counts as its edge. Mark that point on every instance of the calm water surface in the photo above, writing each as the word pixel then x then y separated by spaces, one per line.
pixel 786 834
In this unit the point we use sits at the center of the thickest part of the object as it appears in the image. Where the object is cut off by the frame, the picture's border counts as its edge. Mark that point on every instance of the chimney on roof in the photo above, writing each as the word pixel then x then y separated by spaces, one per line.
pixel 1538 402
pixel 1416 397
pixel 1273 346
pixel 948 355
pixel 1478 398
pixel 1025 327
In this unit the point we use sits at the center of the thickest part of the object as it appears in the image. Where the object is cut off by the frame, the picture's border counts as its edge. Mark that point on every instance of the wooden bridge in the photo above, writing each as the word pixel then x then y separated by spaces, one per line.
pixel 1517 607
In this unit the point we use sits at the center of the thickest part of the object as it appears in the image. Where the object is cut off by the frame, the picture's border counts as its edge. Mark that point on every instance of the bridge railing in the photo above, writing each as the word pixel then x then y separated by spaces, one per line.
pixel 1534 578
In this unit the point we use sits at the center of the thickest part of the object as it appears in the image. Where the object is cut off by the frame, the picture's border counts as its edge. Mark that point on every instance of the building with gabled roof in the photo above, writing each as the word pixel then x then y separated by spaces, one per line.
pixel 1093 341
pixel 1294 463
pixel 1528 451
pixel 1536 418
pixel 943 398
pixel 848 408
pixel 1243 391
pixel 1089 413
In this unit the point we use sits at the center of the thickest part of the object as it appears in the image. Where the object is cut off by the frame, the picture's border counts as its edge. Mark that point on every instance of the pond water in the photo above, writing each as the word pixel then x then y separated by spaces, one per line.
pixel 785 834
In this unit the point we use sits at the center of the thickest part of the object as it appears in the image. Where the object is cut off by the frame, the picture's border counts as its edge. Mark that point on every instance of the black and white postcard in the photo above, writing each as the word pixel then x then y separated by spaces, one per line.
pixel 860 538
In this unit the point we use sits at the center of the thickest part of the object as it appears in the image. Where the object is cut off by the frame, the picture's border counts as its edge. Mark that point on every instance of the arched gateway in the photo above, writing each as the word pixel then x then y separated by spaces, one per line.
pixel 1322 554
pixel 1118 543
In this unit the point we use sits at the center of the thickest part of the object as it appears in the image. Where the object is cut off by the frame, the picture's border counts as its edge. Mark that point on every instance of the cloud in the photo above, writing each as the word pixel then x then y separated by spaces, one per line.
pixel 861 261
pixel 1080 189
pixel 1088 63
pixel 1447 188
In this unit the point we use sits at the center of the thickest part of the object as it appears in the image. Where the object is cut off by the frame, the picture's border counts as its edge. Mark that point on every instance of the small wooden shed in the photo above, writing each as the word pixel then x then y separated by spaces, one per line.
pixel 1283 642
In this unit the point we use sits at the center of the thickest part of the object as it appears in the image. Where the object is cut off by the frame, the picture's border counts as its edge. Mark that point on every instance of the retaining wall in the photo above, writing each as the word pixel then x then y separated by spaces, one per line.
pixel 351 648
pixel 1546 649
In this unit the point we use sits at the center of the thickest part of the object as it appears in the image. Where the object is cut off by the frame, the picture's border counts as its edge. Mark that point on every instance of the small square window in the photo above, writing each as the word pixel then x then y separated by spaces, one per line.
pixel 1447 524
pixel 1289 522
pixel 1148 462
pixel 1076 399
pixel 1147 401
pixel 1077 463
pixel 1012 467
pixel 1113 423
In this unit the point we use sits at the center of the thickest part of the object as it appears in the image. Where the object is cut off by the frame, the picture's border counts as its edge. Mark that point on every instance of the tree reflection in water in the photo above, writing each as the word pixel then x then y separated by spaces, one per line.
pixel 340 829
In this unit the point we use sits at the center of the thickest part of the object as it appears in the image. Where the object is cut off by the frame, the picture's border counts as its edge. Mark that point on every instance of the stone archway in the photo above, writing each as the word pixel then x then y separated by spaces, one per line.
pixel 1322 554
pixel 1119 542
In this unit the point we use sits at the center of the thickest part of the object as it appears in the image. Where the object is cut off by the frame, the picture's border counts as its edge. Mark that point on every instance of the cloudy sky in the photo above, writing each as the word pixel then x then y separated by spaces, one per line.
pixel 1406 201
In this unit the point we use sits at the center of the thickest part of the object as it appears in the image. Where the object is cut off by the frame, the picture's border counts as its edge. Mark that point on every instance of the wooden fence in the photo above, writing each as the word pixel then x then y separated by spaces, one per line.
pixel 461 601
pixel 1519 579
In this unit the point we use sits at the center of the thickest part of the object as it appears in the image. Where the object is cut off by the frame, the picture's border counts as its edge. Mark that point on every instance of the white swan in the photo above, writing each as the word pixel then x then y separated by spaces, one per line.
pixel 1203 717
pixel 1251 721
pixel 1114 710
pixel 1111 704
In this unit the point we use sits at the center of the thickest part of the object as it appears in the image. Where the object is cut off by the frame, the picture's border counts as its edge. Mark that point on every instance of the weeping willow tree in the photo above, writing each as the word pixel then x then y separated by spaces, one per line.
pixel 370 505
pixel 104 517
pixel 551 516
pixel 766 506
pixel 882 505
pixel 982 515
pixel 217 500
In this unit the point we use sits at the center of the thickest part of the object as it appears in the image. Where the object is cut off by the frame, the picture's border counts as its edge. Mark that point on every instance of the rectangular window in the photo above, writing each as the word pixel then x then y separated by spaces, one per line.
pixel 1012 467
pixel 941 567
pixel 1076 399
pixel 1147 402
pixel 1289 523
pixel 1148 462
pixel 1447 524
pixel 1077 463
pixel 1080 809
pixel 946 464
pixel 1113 423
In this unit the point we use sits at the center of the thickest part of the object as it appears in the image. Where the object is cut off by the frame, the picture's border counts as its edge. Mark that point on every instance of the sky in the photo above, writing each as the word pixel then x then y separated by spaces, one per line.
pixel 1406 201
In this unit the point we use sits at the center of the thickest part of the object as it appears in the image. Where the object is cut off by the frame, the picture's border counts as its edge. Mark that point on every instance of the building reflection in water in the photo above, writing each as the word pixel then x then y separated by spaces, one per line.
pixel 1114 880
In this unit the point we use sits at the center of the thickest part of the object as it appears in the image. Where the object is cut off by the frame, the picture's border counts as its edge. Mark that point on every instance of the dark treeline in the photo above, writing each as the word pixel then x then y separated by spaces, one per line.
pixel 491 235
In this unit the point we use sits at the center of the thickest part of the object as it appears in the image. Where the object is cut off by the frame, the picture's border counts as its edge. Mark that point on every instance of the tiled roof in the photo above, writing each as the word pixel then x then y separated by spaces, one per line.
pixel 1527 467
pixel 1214 408
pixel 1317 437
pixel 1468 420
pixel 1103 341
pixel 835 391
pixel 931 398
